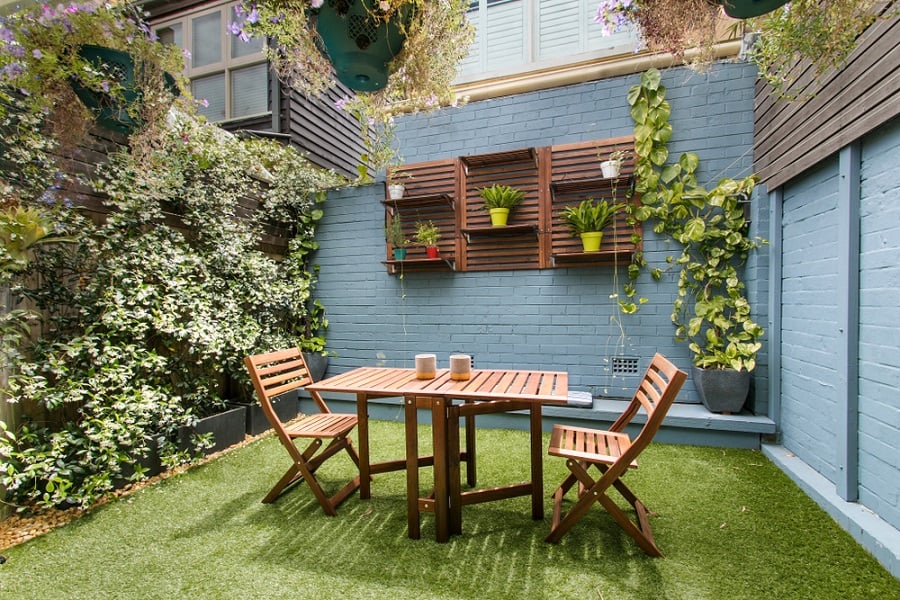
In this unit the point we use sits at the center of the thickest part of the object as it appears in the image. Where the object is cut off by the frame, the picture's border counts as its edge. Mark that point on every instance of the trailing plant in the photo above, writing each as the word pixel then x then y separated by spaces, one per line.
pixel 590 215
pixel 823 33
pixel 501 196
pixel 145 317
pixel 711 312
pixel 438 35
pixel 40 61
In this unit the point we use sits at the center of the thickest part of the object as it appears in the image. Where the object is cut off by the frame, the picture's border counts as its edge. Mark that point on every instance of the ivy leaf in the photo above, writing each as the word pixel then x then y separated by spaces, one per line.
pixel 669 173
pixel 695 229
pixel 659 155
pixel 689 161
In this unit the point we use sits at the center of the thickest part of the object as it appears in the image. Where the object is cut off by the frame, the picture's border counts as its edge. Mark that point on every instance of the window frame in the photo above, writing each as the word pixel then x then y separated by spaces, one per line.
pixel 532 62
pixel 226 64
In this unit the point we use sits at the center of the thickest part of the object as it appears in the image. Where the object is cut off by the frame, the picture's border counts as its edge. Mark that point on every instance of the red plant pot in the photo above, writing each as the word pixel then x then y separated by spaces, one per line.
pixel 432 252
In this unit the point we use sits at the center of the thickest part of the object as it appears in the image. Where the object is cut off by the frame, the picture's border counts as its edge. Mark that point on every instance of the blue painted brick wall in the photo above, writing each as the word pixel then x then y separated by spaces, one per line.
pixel 553 318
pixel 809 317
pixel 879 314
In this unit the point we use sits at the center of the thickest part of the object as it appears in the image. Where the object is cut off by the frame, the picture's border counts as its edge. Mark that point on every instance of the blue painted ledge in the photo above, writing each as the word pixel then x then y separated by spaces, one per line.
pixel 685 423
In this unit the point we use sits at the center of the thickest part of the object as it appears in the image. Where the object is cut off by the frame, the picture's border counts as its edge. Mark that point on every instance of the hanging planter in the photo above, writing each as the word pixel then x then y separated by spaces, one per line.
pixel 747 9
pixel 111 111
pixel 360 42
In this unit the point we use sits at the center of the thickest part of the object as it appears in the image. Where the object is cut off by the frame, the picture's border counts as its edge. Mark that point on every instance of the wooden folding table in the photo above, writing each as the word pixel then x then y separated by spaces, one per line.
pixel 487 391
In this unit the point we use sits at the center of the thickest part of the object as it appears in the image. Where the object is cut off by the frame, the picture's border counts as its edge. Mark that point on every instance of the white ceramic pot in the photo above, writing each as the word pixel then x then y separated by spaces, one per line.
pixel 610 168
pixel 395 191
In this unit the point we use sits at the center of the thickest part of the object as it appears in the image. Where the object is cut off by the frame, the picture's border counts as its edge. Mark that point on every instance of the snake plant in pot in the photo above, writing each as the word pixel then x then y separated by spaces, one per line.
pixel 499 200
pixel 588 219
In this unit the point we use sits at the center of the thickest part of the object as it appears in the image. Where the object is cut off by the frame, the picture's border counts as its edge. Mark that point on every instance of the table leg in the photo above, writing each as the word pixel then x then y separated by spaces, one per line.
pixel 441 469
pixel 537 463
pixel 362 426
pixel 412 467
pixel 470 451
pixel 455 485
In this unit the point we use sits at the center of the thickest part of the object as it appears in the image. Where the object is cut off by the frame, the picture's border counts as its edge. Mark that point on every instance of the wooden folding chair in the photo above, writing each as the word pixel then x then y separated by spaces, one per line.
pixel 613 453
pixel 279 372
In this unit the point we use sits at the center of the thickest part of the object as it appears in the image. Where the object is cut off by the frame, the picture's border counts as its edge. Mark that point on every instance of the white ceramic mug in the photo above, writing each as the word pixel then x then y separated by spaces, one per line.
pixel 426 366
pixel 460 366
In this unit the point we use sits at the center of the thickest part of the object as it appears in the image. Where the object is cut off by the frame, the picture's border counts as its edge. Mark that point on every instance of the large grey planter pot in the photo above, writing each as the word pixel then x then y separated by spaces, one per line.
pixel 228 428
pixel 722 390
pixel 317 363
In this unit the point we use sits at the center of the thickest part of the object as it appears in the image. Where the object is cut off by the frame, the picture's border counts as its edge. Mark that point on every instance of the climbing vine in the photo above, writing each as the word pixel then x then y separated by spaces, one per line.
pixel 711 312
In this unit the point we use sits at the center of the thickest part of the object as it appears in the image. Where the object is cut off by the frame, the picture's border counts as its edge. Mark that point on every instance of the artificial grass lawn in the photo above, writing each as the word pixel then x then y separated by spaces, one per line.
pixel 731 524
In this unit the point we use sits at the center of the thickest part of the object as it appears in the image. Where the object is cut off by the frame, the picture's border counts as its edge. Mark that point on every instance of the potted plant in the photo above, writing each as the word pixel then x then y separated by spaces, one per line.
pixel 711 312
pixel 588 219
pixel 499 200
pixel 612 166
pixel 824 33
pixel 102 54
pixel 428 234
pixel 393 233
pixel 396 183
pixel 434 37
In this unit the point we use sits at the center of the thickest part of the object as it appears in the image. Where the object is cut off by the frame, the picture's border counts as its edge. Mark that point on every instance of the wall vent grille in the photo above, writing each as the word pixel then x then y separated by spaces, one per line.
pixel 625 365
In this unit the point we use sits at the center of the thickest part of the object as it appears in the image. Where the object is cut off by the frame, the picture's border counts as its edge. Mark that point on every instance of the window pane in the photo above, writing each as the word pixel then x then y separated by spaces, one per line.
pixel 239 48
pixel 207 39
pixel 211 89
pixel 171 35
pixel 249 91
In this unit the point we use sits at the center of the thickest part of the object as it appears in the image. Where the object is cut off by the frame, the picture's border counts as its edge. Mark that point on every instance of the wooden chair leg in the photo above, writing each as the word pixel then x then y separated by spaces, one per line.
pixel 643 538
pixel 293 474
pixel 575 513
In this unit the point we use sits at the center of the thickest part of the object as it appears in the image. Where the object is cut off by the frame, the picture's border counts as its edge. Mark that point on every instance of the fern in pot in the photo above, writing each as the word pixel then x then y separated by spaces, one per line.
pixel 588 219
pixel 499 200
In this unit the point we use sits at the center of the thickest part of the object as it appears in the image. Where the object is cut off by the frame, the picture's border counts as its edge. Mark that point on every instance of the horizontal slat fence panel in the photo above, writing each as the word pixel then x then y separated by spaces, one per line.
pixel 841 106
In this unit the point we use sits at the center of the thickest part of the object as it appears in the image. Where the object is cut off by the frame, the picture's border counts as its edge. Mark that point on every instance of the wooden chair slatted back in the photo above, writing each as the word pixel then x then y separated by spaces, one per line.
pixel 655 394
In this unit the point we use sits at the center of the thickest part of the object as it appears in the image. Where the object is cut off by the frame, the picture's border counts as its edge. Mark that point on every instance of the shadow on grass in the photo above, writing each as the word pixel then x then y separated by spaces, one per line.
pixel 732 526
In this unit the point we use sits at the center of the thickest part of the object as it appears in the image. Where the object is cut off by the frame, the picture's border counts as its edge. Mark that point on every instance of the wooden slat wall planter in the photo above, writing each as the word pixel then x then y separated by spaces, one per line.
pixel 576 175
pixel 447 192
pixel 431 193
pixel 500 248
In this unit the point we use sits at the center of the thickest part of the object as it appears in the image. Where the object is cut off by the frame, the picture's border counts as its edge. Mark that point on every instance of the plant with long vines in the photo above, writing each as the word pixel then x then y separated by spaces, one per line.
pixel 711 311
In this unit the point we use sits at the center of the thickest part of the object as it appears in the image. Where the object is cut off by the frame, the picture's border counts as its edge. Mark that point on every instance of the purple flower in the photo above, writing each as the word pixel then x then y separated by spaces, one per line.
pixel 105 86
pixel 341 103
pixel 37 54
pixel 203 102
pixel 236 30
pixel 12 70
pixel 316 3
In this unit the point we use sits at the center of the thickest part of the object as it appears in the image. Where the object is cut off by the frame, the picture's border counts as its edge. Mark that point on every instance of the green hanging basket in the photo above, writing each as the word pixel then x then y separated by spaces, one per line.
pixel 359 43
pixel 119 67
pixel 747 9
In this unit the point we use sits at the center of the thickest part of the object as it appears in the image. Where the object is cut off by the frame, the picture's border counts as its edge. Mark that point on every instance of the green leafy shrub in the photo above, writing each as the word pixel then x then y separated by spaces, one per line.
pixel 146 316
